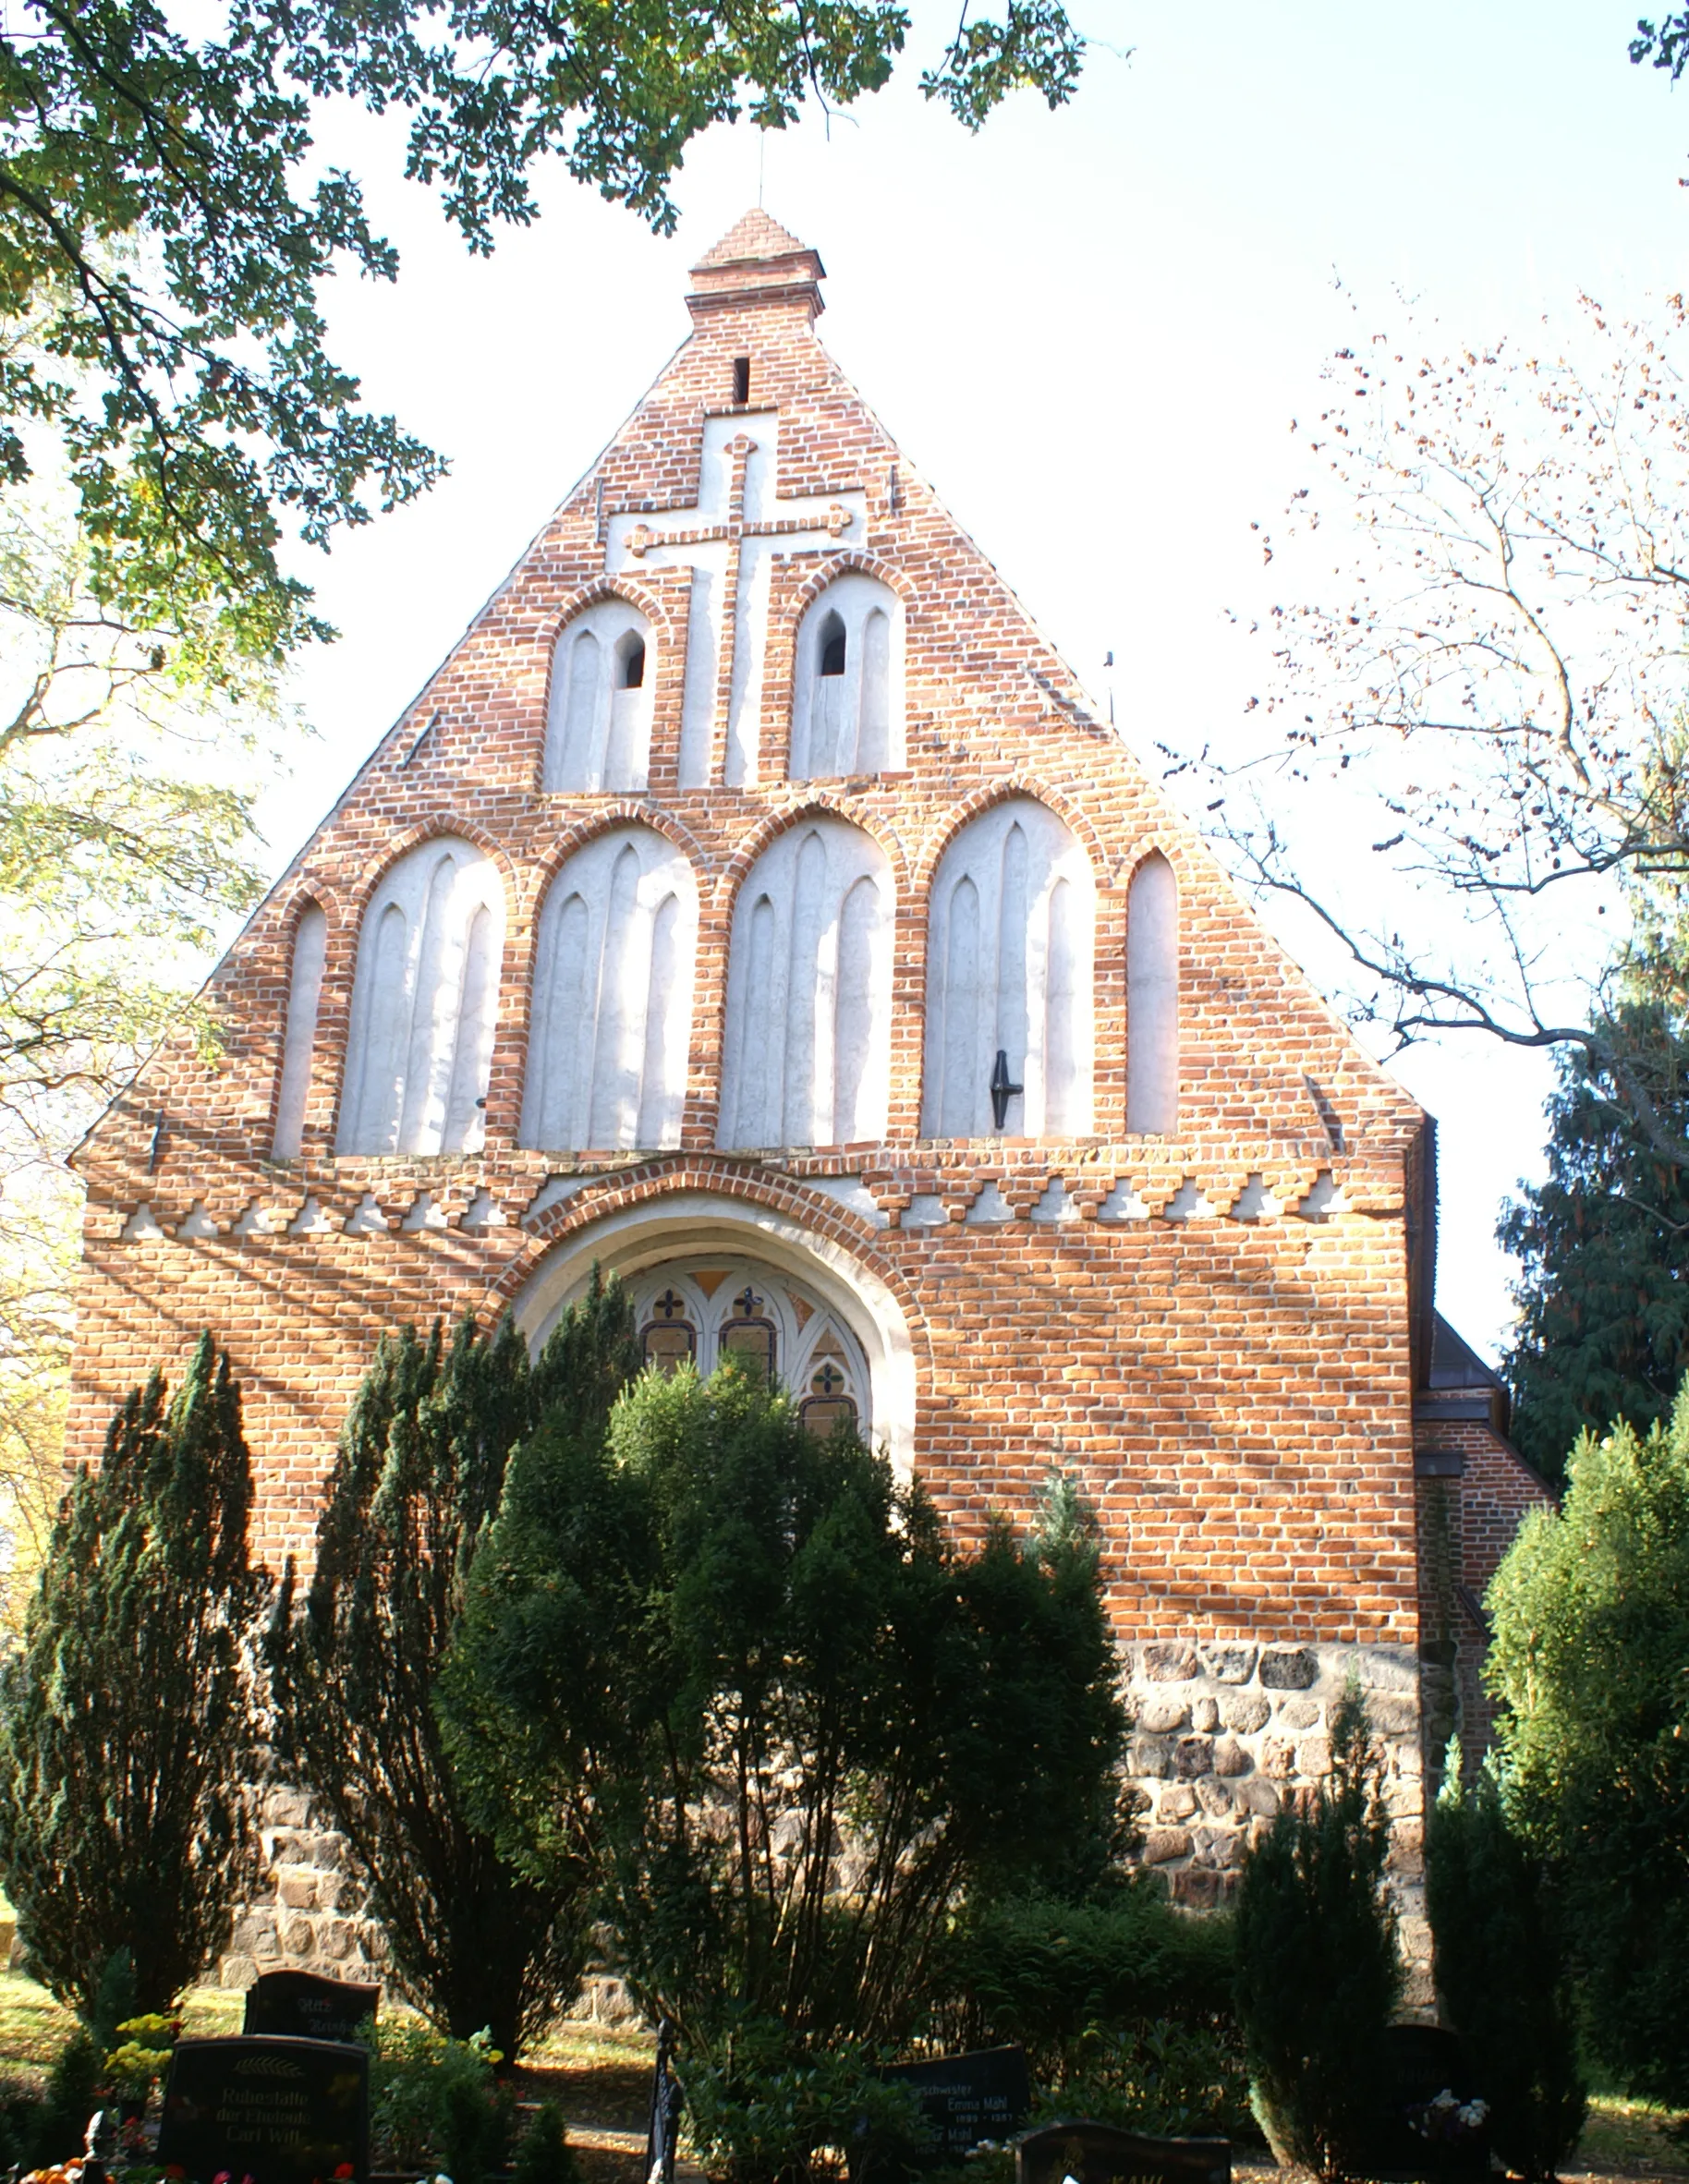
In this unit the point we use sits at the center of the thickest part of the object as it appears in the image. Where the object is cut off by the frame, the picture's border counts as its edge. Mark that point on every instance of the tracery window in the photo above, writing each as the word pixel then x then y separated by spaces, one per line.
pixel 848 688
pixel 701 1309
pixel 808 1035
pixel 1009 937
pixel 424 1001
pixel 613 997
pixel 599 733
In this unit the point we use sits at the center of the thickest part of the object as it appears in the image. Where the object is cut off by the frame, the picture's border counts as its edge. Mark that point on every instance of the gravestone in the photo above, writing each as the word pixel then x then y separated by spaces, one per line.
pixel 1424 2062
pixel 965 2098
pixel 300 2005
pixel 1081 2152
pixel 272 2110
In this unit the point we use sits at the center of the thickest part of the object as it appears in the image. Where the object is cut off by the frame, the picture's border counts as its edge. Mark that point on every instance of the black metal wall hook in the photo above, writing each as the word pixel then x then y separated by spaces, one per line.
pixel 1001 1090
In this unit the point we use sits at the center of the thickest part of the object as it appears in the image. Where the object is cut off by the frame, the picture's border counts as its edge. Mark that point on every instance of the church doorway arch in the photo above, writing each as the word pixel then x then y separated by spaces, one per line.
pixel 711 1274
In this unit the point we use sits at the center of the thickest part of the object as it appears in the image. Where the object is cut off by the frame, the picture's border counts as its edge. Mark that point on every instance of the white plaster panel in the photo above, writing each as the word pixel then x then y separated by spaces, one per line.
pixel 1152 998
pixel 808 1052
pixel 1009 941
pixel 599 734
pixel 852 723
pixel 304 994
pixel 423 1005
pixel 613 998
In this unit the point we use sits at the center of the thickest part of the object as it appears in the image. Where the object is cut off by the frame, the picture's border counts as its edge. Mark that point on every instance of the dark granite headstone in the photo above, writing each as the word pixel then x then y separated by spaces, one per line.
pixel 299 2006
pixel 965 2098
pixel 1412 2138
pixel 1098 2153
pixel 277 2111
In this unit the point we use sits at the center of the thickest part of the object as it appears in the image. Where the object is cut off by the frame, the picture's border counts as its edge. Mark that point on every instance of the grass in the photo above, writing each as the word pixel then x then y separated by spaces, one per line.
pixel 1627 2138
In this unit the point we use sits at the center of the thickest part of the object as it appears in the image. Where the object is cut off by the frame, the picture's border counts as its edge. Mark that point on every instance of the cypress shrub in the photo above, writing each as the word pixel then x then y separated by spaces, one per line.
pixel 477 1943
pixel 128 1722
pixel 1317 1972
pixel 1503 1973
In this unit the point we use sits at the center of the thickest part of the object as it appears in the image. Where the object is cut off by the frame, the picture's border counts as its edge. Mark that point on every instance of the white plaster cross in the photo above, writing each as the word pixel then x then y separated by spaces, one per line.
pixel 730 538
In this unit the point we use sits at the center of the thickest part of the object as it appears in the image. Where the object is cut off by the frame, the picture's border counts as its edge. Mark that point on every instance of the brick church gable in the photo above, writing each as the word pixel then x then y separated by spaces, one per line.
pixel 751 905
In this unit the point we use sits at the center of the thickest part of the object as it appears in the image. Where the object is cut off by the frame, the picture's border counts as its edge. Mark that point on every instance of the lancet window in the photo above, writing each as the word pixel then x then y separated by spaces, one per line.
pixel 599 736
pixel 1152 998
pixel 807 1050
pixel 702 1309
pixel 847 690
pixel 424 1003
pixel 613 998
pixel 304 995
pixel 1009 940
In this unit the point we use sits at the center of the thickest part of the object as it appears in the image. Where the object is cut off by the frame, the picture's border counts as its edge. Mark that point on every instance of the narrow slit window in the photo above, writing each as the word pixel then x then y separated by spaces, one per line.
pixel 633 662
pixel 832 646
pixel 741 379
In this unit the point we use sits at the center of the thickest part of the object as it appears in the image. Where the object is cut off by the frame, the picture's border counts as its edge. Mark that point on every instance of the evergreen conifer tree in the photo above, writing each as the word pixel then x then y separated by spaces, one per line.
pixel 127 1727
pixel 418 1477
pixel 1603 1243
pixel 1503 1972
pixel 1317 1972
pixel 740 1676
pixel 1590 1610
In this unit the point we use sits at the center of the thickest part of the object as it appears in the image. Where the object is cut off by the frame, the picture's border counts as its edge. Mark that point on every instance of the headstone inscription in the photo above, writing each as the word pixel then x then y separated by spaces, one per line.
pixel 272 2110
pixel 1081 2152
pixel 300 2005
pixel 965 2098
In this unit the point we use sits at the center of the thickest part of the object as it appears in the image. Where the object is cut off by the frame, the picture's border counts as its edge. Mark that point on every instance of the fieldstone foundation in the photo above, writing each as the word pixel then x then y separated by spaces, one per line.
pixel 310 1912
pixel 1226 1734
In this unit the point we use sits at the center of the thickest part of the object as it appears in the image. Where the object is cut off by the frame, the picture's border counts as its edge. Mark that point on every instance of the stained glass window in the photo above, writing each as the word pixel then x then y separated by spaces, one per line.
pixel 748 1335
pixel 827 1406
pixel 668 1339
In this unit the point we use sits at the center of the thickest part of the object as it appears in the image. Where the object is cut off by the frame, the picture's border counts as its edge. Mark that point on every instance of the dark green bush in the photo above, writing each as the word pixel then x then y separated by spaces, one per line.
pixel 1178 2077
pixel 761 2110
pixel 1317 1972
pixel 57 2129
pixel 1047 1973
pixel 437 2102
pixel 1503 1973
pixel 543 2153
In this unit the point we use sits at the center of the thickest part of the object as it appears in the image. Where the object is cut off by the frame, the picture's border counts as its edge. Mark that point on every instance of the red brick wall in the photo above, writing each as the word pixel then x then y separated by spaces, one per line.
pixel 1236 1397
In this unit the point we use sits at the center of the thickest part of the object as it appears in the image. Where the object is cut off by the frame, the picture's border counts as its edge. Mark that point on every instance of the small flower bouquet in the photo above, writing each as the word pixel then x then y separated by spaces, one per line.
pixel 1448 2122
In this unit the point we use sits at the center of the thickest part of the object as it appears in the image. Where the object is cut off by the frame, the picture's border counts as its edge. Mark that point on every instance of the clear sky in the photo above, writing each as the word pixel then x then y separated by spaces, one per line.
pixel 1089 330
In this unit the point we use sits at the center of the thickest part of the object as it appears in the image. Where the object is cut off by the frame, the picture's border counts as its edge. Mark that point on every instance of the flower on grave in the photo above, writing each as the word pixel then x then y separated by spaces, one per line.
pixel 1447 2122
pixel 344 2173
pixel 222 2177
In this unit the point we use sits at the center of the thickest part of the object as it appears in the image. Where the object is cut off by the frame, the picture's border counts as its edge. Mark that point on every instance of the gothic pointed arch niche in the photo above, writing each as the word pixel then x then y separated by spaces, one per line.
pixel 848 712
pixel 598 725
pixel 299 1036
pixel 808 1053
pixel 1152 998
pixel 1010 926
pixel 424 1001
pixel 612 1012
pixel 688 1257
